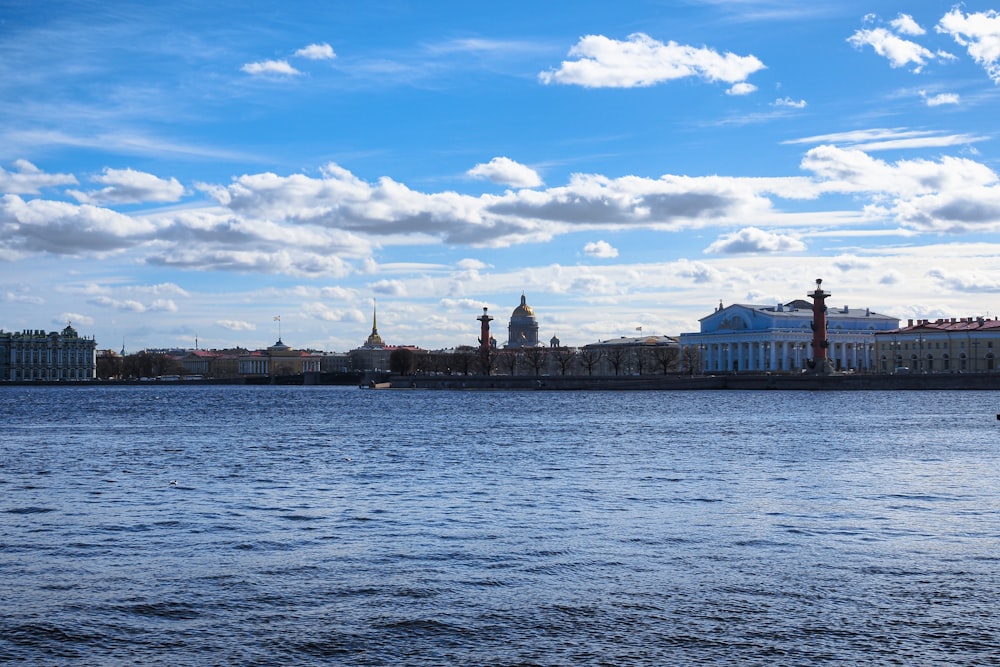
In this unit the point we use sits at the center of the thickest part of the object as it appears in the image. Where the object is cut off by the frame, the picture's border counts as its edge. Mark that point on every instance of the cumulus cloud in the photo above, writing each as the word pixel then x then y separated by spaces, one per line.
pixel 979 33
pixel 600 249
pixel 697 272
pixel 939 99
pixel 851 263
pixel 969 281
pixel 134 306
pixel 898 51
pixel 504 171
pixel 743 88
pixel 317 52
pixel 62 228
pixel 236 325
pixel 948 195
pixel 321 311
pixel 75 318
pixel 469 264
pixel 905 25
pixel 789 102
pixel 640 60
pixel 754 240
pixel 29 179
pixel 127 186
pixel 390 287
pixel 270 68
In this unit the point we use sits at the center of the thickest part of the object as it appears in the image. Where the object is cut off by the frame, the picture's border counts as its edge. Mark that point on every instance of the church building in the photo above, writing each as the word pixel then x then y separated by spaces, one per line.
pixel 523 328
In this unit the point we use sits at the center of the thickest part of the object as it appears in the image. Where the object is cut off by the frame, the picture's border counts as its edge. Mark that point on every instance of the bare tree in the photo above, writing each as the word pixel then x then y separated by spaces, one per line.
pixel 565 359
pixel 590 358
pixel 640 356
pixel 536 358
pixel 665 358
pixel 617 356
pixel 465 359
pixel 691 358
pixel 509 360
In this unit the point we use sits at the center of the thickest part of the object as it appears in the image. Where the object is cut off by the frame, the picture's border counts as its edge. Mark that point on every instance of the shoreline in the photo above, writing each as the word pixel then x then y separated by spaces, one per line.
pixel 801 382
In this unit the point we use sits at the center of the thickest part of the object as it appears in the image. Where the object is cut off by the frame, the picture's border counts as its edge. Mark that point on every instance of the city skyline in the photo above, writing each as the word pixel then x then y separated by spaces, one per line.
pixel 194 172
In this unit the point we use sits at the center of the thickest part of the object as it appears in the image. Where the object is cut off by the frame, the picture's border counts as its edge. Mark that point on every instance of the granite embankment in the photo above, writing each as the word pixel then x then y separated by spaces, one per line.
pixel 802 382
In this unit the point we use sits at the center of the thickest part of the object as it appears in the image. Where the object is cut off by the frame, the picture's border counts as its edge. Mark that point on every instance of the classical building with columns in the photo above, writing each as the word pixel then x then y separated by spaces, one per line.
pixel 777 338
pixel 36 355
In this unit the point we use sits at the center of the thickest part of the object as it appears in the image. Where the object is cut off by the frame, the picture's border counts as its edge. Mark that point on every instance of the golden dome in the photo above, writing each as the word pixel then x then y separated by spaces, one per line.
pixel 524 310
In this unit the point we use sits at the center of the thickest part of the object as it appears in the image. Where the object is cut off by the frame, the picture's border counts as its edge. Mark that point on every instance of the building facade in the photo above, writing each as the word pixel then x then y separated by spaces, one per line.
pixel 522 331
pixel 631 355
pixel 279 360
pixel 54 356
pixel 778 338
pixel 956 345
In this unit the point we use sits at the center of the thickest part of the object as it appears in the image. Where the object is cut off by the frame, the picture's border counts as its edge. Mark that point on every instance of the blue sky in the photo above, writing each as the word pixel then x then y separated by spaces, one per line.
pixel 193 171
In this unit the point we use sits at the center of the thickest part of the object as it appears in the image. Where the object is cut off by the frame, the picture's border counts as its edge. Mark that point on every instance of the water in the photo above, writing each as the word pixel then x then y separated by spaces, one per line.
pixel 191 525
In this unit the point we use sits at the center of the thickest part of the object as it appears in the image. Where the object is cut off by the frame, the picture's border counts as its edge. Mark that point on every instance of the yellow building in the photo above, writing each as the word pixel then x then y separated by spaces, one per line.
pixel 956 345
pixel 279 360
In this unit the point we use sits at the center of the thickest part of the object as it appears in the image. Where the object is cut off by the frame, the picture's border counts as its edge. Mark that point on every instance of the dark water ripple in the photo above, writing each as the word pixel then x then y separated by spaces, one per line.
pixel 312 525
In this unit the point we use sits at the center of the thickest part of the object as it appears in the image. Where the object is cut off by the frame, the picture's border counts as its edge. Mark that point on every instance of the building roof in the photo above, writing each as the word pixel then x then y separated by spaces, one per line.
pixel 953 324
pixel 635 341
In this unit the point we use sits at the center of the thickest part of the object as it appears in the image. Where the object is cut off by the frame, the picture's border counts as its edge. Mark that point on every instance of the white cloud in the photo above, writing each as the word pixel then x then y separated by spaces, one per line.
pixel 743 88
pixel 61 228
pixel 979 33
pixel 889 139
pixel 321 311
pixel 905 25
pixel 848 263
pixel 899 52
pixel 127 186
pixel 29 179
pixel 975 282
pixel 74 318
pixel 469 264
pixel 389 287
pixel 270 67
pixel 600 249
pixel 754 240
pixel 236 325
pixel 789 102
pixel 504 171
pixel 643 61
pixel 939 99
pixel 317 52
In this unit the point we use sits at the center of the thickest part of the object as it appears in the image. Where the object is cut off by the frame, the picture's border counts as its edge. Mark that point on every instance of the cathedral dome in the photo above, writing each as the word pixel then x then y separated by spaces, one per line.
pixel 524 310
pixel 523 328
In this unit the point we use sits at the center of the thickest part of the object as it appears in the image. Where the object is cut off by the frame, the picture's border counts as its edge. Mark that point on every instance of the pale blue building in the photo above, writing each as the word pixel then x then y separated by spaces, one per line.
pixel 777 338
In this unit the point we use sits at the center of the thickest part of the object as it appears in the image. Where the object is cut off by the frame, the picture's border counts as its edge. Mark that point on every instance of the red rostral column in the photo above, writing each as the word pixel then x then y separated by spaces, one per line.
pixel 484 341
pixel 820 343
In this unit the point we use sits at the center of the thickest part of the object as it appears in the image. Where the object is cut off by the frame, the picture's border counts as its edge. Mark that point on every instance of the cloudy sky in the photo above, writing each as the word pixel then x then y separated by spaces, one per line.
pixel 195 170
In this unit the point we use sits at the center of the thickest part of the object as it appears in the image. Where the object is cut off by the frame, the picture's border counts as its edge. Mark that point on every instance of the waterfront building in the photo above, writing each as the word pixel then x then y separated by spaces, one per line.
pixel 376 355
pixel 36 355
pixel 279 360
pixel 631 355
pixel 522 331
pixel 778 338
pixel 956 345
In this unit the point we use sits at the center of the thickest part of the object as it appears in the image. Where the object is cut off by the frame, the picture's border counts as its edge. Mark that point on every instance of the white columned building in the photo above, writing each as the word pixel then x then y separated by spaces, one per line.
pixel 777 338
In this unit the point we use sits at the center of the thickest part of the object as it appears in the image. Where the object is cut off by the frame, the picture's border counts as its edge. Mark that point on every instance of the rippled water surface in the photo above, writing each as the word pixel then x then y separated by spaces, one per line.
pixel 288 525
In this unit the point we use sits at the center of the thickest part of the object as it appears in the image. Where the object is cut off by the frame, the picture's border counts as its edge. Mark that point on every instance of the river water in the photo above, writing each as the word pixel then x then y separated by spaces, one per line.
pixel 189 525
